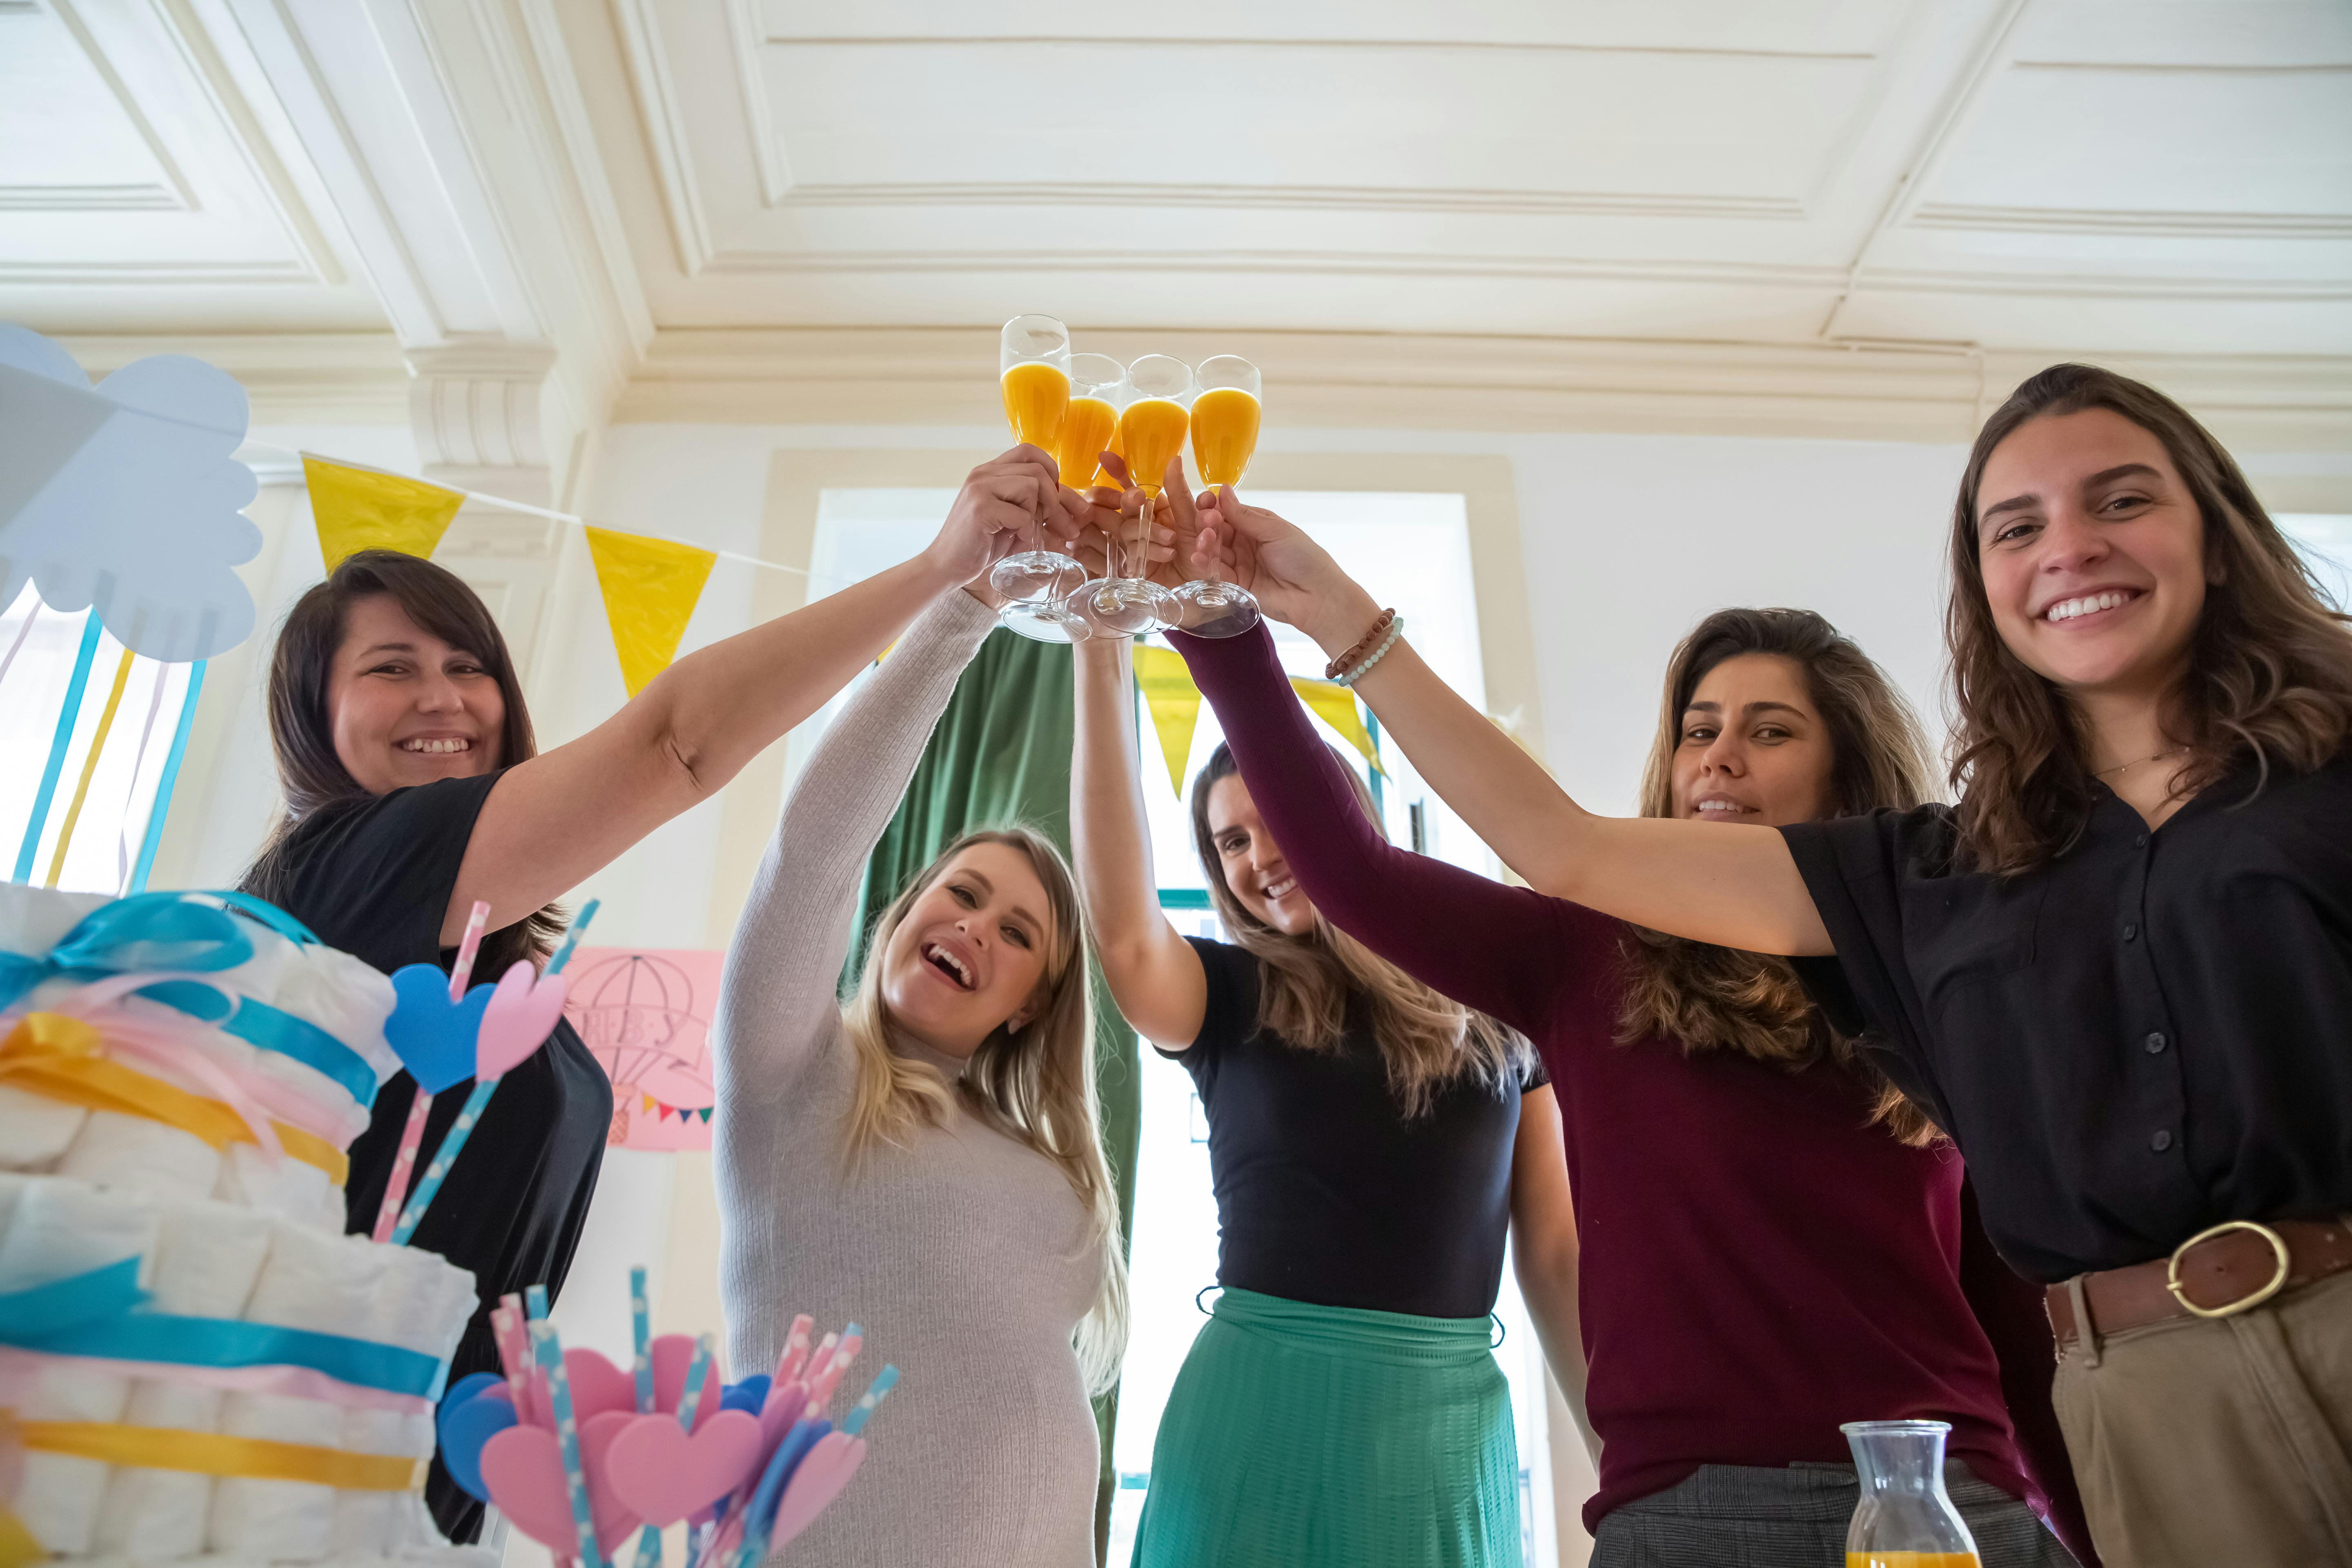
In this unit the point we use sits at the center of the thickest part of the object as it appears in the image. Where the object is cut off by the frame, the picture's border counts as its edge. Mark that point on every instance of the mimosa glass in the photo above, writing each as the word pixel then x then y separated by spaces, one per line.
pixel 1034 364
pixel 1097 392
pixel 1225 414
pixel 1151 430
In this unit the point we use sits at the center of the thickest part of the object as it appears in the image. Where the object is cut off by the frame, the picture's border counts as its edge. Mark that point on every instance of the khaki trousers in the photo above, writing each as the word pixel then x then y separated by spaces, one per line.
pixel 2199 1443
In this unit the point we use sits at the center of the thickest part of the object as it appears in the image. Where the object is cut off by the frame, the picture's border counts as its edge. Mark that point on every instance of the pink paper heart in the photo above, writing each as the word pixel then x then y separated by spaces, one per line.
pixel 523 1011
pixel 785 1406
pixel 815 1483
pixel 663 1475
pixel 597 1385
pixel 524 1468
pixel 672 1355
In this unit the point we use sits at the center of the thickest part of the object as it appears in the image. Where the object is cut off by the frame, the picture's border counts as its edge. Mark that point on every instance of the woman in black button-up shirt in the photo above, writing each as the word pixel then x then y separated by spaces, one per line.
pixel 2119 973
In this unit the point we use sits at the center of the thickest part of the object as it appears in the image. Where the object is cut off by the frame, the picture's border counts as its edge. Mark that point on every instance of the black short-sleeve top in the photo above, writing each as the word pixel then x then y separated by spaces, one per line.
pixel 374 879
pixel 2145 1036
pixel 1325 1192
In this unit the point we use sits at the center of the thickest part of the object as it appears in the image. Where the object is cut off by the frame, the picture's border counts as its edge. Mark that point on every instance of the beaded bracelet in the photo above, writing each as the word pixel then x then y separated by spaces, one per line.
pixel 1356 650
pixel 1396 630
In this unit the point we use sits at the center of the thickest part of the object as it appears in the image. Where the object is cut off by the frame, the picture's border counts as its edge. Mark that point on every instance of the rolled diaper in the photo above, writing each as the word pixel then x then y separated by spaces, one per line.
pixel 291 1189
pixel 13 1187
pixel 61 1228
pixel 310 1280
pixel 35 1130
pixel 208 1259
pixel 33 921
pixel 412 1310
pixel 346 996
pixel 133 1154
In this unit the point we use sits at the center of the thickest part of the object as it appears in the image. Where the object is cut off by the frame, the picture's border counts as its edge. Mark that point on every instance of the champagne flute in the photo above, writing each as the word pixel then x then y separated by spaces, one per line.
pixel 1098 390
pixel 1225 415
pixel 1034 363
pixel 1150 431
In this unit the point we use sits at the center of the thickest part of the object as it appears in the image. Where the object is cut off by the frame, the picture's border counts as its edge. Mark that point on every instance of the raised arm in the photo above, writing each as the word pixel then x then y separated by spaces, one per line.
pixel 1154 975
pixel 556 819
pixel 778 996
pixel 1454 930
pixel 1544 1252
pixel 1714 882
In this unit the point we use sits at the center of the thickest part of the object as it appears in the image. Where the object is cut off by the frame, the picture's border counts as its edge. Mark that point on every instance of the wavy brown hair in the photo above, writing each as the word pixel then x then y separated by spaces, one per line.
pixel 1426 1040
pixel 1713 998
pixel 312 778
pixel 2269 664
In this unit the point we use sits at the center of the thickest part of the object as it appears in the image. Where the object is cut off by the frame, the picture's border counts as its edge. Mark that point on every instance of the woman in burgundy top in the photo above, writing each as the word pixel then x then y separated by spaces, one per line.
pixel 1764 1256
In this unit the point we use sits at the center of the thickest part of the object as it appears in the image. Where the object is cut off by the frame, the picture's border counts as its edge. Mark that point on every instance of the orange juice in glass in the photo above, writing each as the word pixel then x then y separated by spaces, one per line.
pixel 1036 397
pixel 1098 386
pixel 1911 1560
pixel 1034 375
pixel 1225 416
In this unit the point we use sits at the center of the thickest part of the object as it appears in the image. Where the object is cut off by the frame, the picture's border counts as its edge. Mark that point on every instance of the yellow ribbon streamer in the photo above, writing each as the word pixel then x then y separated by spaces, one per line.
pixel 90 765
pixel 52 1054
pixel 211 1453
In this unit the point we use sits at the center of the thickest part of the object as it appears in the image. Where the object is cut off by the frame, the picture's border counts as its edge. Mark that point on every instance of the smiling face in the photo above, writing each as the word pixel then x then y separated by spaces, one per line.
pixel 2092 552
pixel 1252 862
pixel 970 954
pixel 1754 749
pixel 405 707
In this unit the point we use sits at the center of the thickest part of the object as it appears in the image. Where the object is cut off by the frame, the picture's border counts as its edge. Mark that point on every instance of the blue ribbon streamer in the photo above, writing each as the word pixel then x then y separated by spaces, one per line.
pixel 58 746
pixel 93 1314
pixel 163 787
pixel 259 1024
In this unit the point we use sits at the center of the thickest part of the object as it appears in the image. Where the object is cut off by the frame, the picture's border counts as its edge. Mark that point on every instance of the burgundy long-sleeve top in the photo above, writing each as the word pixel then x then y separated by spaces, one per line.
pixel 1758 1264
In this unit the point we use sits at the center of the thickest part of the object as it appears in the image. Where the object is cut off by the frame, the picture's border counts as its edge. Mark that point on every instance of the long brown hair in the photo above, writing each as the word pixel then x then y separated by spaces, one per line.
pixel 312 779
pixel 2269 673
pixel 1719 998
pixel 1426 1040
pixel 1035 1083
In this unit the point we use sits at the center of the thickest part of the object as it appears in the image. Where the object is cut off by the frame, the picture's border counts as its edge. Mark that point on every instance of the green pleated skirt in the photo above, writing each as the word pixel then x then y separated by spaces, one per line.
pixel 1308 1436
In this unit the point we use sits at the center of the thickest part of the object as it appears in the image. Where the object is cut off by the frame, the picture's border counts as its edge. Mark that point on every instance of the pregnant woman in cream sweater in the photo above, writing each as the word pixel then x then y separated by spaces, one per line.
pixel 924 1159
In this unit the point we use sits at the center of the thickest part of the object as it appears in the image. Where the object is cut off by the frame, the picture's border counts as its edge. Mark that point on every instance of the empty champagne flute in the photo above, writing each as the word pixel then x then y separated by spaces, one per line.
pixel 1035 379
pixel 1226 410
pixel 1151 430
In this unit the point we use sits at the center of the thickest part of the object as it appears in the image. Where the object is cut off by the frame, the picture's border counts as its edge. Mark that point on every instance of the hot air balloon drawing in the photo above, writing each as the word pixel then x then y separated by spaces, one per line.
pixel 645 1013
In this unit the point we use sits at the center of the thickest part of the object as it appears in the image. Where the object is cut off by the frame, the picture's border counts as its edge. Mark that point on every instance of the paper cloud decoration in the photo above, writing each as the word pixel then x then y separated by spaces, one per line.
pixel 126 496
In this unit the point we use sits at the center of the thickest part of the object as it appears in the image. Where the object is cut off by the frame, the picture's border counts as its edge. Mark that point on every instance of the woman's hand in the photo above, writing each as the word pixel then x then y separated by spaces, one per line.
pixel 1008 503
pixel 1294 579
pixel 1109 516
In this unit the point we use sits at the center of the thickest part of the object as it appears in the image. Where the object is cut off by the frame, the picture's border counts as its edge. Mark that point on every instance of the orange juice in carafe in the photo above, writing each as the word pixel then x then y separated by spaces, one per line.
pixel 1225 434
pixel 1150 432
pixel 1911 1560
pixel 1035 394
pixel 1087 431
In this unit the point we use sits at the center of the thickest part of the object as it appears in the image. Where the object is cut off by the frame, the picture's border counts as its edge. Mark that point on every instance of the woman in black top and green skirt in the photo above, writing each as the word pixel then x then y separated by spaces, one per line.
pixel 2119 973
pixel 413 787
pixel 1371 1143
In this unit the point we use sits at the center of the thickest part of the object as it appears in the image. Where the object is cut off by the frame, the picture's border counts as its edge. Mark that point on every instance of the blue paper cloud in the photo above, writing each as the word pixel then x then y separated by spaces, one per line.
pixel 127 496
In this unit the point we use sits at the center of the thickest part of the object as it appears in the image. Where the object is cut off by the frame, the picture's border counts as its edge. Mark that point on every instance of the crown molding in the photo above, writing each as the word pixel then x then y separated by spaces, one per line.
pixel 1887 392
pixel 292 378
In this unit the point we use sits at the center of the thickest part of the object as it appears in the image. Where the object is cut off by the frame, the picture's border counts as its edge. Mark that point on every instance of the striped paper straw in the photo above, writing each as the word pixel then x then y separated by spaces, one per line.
pixel 443 1157
pixel 797 1346
pixel 478 920
pixel 550 1352
pixel 640 1332
pixel 395 1185
pixel 884 1382
pixel 821 1387
pixel 571 936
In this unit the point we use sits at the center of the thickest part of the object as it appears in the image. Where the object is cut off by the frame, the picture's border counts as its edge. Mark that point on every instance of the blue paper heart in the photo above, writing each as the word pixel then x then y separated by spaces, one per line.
pixel 433 1037
pixel 746 1395
pixel 465 1388
pixel 466 1425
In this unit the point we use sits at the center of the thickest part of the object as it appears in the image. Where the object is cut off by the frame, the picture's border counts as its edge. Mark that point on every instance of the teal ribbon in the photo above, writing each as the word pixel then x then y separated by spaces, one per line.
pixel 68 715
pixel 94 1314
pixel 178 932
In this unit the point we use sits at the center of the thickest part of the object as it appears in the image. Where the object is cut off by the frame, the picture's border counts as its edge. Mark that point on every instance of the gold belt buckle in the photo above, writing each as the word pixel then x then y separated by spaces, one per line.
pixel 2244 1303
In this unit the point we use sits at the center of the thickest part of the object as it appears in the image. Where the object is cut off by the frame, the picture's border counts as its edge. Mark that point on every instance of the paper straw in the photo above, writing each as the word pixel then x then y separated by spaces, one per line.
pixel 395 1185
pixel 453 1144
pixel 797 1346
pixel 549 1350
pixel 697 1376
pixel 884 1382
pixel 478 918
pixel 571 936
pixel 534 1300
pixel 821 1387
pixel 640 1321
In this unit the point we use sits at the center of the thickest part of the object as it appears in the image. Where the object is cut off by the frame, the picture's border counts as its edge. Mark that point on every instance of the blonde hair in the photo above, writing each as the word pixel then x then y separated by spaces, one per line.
pixel 1426 1040
pixel 1035 1084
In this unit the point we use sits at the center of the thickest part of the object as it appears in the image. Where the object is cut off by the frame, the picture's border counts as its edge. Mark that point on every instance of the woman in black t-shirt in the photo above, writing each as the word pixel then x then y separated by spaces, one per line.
pixel 1371 1143
pixel 413 787
pixel 2119 973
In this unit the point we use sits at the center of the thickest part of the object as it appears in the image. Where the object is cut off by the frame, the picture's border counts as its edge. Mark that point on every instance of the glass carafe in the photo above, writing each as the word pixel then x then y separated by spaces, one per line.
pixel 1906 1519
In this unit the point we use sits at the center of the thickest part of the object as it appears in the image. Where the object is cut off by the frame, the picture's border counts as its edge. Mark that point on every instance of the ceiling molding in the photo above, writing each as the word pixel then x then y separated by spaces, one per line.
pixel 161 270
pixel 69 14
pixel 1287 263
pixel 314 378
pixel 662 121
pixel 1416 45
pixel 941 376
pixel 743 32
pixel 89 198
pixel 2090 220
pixel 1304 198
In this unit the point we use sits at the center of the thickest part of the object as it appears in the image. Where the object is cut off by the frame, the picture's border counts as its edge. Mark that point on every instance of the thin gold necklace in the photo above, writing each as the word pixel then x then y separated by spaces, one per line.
pixel 2123 767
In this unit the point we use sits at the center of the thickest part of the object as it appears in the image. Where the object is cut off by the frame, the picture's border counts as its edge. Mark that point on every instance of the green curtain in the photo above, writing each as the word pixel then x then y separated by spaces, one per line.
pixel 1002 755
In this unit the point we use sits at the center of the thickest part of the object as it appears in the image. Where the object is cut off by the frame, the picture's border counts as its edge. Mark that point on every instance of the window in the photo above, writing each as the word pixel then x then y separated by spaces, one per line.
pixel 41 646
pixel 2324 542
pixel 1412 552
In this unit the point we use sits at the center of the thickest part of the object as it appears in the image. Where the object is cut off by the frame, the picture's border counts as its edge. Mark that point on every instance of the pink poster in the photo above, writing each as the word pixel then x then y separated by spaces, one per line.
pixel 644 1012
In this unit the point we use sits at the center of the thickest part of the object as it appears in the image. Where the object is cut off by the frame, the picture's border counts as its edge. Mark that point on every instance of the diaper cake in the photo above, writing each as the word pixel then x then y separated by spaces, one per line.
pixel 196 1362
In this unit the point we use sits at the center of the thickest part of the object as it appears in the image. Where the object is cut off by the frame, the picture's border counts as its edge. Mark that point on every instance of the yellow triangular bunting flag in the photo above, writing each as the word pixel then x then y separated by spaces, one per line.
pixel 1174 703
pixel 650 587
pixel 1336 706
pixel 357 509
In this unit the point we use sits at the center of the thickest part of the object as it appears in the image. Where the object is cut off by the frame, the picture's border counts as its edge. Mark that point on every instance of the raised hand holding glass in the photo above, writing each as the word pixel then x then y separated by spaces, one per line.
pixel 1225 415
pixel 1035 379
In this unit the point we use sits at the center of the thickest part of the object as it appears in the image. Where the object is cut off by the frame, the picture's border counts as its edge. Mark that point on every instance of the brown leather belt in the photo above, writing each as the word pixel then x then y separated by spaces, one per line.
pixel 2214 1274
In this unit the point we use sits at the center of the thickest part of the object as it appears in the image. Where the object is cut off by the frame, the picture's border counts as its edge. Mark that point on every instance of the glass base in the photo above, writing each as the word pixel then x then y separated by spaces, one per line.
pixel 1036 576
pixel 1215 609
pixel 1126 607
pixel 1049 622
